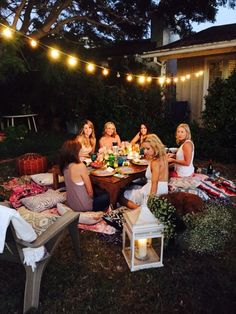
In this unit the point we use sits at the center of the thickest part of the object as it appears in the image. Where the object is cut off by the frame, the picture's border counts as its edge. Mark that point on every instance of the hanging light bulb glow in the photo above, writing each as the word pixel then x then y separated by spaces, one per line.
pixel 54 53
pixel 182 78
pixel 188 76
pixel 161 80
pixel 141 79
pixel 200 73
pixel 129 78
pixel 90 67
pixel 168 80
pixel 176 79
pixel 7 32
pixel 72 61
pixel 33 43
pixel 149 79
pixel 105 71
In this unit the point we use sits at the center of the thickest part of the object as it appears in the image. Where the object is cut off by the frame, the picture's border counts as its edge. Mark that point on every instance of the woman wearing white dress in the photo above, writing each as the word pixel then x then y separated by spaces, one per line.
pixel 156 174
pixel 183 160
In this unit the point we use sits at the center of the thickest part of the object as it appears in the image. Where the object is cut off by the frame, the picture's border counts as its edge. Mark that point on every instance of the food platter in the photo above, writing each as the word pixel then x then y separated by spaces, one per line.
pixel 102 173
pixel 125 170
pixel 96 164
pixel 140 162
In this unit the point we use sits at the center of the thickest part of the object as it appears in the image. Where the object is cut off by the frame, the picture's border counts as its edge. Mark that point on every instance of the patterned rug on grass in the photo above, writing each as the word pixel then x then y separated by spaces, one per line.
pixel 101 227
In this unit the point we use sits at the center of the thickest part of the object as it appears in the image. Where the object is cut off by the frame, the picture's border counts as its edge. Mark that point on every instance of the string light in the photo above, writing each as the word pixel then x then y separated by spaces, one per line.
pixel 105 71
pixel 90 67
pixel 141 79
pixel 54 53
pixel 33 43
pixel 161 80
pixel 129 77
pixel 7 32
pixel 71 61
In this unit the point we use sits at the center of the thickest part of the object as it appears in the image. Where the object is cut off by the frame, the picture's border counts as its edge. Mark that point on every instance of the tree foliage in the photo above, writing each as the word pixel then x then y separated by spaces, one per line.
pixel 101 20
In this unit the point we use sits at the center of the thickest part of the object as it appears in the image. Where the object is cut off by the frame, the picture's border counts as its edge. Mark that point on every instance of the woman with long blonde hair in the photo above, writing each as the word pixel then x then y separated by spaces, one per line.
pixel 156 173
pixel 183 160
pixel 87 139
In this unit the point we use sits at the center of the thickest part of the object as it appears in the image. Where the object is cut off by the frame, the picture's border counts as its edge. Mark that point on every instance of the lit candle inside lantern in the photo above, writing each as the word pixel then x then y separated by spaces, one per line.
pixel 142 248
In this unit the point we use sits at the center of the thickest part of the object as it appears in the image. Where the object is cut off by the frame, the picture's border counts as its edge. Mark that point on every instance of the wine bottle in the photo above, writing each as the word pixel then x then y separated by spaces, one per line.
pixel 210 168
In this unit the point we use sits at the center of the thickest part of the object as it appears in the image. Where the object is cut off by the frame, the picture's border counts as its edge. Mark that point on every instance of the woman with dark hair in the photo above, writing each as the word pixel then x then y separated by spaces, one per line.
pixel 139 137
pixel 79 191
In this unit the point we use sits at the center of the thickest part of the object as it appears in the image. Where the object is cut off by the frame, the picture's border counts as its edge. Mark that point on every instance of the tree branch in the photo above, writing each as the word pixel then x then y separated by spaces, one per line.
pixel 18 13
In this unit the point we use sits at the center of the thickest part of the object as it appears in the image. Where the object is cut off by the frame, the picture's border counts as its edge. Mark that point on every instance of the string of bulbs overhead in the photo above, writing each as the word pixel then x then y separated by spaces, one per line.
pixel 72 61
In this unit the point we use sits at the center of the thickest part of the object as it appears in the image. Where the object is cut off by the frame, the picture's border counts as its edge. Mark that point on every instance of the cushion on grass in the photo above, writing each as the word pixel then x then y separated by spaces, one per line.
pixel 45 178
pixel 39 221
pixel 44 201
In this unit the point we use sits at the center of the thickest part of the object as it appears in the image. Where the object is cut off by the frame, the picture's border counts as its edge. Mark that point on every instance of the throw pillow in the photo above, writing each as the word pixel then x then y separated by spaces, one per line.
pixel 39 221
pixel 44 201
pixel 45 178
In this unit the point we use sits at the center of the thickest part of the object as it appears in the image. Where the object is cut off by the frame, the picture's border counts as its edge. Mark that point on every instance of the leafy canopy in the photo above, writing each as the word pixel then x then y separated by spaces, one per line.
pixel 104 20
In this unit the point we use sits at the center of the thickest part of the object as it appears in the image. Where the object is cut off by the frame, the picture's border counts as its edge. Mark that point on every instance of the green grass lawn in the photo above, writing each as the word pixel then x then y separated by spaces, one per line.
pixel 101 282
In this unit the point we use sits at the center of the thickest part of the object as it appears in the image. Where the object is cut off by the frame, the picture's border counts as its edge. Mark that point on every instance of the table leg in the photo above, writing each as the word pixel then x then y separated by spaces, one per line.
pixel 29 125
pixel 34 123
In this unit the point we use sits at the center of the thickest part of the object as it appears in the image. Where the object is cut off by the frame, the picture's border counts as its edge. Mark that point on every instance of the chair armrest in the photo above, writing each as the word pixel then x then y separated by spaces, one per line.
pixel 58 226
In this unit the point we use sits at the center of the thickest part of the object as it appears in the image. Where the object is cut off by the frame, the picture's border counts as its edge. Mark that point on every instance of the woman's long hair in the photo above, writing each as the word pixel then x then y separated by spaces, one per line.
pixel 69 153
pixel 156 144
pixel 87 141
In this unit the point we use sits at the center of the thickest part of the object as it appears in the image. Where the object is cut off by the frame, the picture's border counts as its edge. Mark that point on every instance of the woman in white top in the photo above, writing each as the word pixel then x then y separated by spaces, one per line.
pixel 156 174
pixel 87 140
pixel 183 160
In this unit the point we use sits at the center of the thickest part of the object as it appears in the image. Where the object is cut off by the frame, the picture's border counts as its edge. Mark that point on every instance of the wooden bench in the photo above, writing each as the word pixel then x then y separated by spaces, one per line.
pixel 50 239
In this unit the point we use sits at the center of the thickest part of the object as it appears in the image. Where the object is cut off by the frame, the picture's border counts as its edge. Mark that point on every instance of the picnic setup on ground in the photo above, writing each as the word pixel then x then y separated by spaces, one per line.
pixel 133 192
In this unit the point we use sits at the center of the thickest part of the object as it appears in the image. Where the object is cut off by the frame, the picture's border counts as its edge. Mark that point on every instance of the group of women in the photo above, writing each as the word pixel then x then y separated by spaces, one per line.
pixel 80 192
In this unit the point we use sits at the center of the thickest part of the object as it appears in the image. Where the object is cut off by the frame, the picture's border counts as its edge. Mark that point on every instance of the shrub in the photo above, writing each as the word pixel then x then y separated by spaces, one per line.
pixel 208 231
pixel 165 213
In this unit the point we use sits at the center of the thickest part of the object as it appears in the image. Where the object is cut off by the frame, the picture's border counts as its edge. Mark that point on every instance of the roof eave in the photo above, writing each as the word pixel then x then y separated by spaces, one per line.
pixel 184 51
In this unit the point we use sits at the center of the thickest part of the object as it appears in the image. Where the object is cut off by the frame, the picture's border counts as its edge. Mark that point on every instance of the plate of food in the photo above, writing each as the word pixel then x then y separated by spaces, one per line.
pixel 124 170
pixel 106 172
pixel 140 162
pixel 97 164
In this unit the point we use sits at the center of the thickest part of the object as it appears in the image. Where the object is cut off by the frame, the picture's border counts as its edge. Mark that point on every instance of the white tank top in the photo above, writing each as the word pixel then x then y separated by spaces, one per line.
pixel 184 171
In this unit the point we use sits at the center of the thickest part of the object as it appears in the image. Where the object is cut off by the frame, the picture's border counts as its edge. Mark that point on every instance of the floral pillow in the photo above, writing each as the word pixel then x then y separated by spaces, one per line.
pixel 39 221
pixel 44 201
pixel 45 178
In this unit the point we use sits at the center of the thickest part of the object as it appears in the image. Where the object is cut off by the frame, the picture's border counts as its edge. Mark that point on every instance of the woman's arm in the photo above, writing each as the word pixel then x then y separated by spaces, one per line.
pixel 94 146
pixel 135 139
pixel 118 140
pixel 101 142
pixel 155 176
pixel 187 152
pixel 87 182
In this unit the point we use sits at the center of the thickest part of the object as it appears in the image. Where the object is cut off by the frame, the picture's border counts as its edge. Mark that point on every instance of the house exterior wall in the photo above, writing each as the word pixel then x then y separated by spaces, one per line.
pixel 191 90
pixel 194 89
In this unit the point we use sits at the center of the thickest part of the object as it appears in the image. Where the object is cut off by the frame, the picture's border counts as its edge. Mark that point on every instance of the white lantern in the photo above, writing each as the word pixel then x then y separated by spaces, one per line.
pixel 143 239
